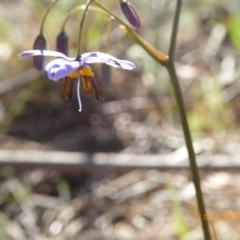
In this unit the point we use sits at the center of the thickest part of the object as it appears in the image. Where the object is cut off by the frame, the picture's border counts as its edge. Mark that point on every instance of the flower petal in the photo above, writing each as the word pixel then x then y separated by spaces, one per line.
pixel 98 57
pixel 32 53
pixel 124 64
pixel 60 68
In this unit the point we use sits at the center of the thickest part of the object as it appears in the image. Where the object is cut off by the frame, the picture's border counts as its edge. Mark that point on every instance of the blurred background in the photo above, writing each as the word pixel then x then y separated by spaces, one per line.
pixel 139 187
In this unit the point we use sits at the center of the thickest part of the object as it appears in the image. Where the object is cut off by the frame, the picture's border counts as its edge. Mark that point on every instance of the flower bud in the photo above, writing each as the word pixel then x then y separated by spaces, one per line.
pixel 130 13
pixel 62 43
pixel 39 44
pixel 106 74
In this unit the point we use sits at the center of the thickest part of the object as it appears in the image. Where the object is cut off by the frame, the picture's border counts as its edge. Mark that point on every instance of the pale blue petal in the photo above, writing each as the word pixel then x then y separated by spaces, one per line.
pixel 98 57
pixel 60 68
pixel 124 64
pixel 32 53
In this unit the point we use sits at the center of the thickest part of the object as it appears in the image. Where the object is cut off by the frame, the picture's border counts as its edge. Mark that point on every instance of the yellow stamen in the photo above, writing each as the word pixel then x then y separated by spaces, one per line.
pixel 89 83
pixel 87 72
pixel 73 75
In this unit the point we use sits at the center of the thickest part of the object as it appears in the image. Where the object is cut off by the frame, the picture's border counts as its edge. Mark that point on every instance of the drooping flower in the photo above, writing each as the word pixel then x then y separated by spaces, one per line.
pixel 73 69
pixel 89 83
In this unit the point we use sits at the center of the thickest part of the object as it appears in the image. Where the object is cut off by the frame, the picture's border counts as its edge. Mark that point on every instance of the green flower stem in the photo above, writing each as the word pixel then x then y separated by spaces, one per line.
pixel 160 57
pixel 80 8
pixel 111 14
pixel 81 27
pixel 169 64
pixel 188 139
pixel 175 30
pixel 109 27
pixel 45 16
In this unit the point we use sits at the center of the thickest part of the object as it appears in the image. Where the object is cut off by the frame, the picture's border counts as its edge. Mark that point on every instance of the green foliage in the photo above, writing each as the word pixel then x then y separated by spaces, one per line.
pixel 179 220
pixel 209 112
pixel 4 219
pixel 64 190
pixel 233 25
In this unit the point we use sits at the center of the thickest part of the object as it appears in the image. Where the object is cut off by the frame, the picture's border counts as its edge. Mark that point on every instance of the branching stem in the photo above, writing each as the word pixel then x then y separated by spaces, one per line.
pixel 187 135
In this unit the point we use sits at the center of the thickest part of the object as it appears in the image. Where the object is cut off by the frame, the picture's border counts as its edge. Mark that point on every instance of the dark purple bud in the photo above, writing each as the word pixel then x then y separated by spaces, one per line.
pixel 130 13
pixel 106 75
pixel 39 44
pixel 62 43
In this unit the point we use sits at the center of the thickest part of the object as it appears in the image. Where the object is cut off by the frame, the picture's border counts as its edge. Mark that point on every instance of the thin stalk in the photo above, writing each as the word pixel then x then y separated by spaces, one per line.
pixel 80 8
pixel 160 57
pixel 187 135
pixel 109 27
pixel 188 139
pixel 81 27
pixel 111 14
pixel 214 231
pixel 169 64
pixel 45 16
pixel 175 30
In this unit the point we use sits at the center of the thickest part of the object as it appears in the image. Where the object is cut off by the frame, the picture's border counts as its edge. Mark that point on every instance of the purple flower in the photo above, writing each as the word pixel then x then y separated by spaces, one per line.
pixel 75 68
